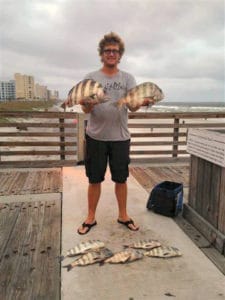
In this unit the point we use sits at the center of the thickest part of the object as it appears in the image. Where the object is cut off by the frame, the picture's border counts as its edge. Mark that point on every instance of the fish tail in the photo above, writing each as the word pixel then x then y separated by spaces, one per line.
pixel 68 267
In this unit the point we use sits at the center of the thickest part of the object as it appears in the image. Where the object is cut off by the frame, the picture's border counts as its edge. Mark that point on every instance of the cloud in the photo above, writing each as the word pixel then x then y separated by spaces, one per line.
pixel 179 43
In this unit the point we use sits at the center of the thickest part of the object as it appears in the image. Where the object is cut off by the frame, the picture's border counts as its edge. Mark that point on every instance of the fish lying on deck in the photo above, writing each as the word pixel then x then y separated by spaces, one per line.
pixel 90 258
pixel 83 248
pixel 124 257
pixel 136 96
pixel 144 244
pixel 84 92
pixel 164 252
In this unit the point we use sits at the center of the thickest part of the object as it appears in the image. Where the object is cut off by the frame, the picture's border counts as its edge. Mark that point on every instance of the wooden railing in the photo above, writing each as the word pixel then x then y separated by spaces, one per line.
pixel 37 139
pixel 162 136
pixel 49 139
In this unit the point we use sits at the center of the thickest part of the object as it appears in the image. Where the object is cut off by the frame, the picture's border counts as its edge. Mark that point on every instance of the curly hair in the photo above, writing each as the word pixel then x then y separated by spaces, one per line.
pixel 111 38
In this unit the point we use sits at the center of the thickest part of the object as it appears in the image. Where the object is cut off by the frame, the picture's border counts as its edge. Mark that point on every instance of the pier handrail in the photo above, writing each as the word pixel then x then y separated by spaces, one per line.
pixel 50 139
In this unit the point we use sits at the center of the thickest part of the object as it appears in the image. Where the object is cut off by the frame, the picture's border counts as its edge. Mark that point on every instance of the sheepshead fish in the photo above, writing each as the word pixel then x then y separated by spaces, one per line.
pixel 83 248
pixel 144 244
pixel 90 258
pixel 136 96
pixel 84 92
pixel 124 257
pixel 164 252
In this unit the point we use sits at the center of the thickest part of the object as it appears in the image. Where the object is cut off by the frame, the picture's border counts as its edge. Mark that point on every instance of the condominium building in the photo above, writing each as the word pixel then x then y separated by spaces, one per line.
pixel 24 86
pixel 7 90
pixel 41 92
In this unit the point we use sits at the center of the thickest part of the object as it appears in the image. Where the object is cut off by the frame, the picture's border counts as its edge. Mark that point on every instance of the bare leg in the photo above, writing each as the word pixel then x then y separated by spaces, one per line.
pixel 121 195
pixel 94 192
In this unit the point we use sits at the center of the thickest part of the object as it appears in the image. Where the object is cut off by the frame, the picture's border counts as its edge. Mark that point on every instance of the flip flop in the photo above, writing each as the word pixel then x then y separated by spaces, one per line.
pixel 127 223
pixel 85 225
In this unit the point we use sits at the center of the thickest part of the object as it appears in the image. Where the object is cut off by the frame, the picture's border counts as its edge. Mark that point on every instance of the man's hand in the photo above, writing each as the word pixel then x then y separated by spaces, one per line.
pixel 88 104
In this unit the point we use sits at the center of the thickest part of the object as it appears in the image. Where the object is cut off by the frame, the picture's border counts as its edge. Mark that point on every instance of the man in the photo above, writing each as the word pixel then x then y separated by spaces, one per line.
pixel 107 135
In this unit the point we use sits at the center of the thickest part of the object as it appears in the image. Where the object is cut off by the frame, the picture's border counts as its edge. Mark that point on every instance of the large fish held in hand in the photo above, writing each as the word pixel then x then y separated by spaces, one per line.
pixel 90 258
pixel 85 92
pixel 83 247
pixel 163 252
pixel 136 96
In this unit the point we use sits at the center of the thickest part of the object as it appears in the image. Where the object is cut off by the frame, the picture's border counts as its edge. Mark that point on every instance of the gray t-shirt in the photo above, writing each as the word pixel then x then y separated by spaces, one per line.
pixel 106 121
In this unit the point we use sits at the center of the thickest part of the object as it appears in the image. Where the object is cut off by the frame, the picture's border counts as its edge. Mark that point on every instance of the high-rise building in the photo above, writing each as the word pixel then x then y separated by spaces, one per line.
pixel 24 86
pixel 41 92
pixel 7 90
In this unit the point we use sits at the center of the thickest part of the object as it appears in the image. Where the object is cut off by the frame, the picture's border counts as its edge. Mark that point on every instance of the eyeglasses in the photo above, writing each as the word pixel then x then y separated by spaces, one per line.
pixel 109 51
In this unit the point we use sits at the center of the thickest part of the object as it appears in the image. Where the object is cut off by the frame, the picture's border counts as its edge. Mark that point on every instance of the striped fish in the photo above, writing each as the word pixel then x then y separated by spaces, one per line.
pixel 139 93
pixel 83 248
pixel 90 258
pixel 84 92
pixel 124 257
pixel 144 244
pixel 164 252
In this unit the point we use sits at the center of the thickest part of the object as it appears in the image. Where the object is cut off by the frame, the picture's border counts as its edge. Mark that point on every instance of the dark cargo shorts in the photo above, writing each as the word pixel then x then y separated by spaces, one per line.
pixel 99 153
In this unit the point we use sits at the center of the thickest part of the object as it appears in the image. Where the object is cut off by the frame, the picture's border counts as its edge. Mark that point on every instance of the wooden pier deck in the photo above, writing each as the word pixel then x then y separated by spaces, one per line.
pixel 30 234
pixel 31 226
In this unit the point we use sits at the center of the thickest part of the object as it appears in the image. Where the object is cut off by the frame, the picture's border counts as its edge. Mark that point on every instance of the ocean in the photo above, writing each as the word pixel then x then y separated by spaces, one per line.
pixel 187 107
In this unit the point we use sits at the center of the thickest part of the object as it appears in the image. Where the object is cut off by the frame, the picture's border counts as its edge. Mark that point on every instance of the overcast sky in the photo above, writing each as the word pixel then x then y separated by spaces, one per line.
pixel 177 44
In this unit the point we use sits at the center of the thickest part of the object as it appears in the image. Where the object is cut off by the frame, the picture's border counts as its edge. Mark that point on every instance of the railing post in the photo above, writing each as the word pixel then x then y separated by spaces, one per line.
pixel 81 124
pixel 175 136
pixel 62 137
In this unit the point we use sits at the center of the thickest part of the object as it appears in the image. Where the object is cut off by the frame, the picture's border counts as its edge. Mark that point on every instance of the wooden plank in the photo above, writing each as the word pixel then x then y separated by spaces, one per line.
pixel 221 211
pixel 215 237
pixel 37 152
pixel 39 144
pixel 47 278
pixel 155 134
pixel 202 243
pixel 31 182
pixel 38 114
pixel 168 115
pixel 156 143
pixel 29 268
pixel 193 181
pixel 37 164
pixel 169 125
pixel 38 134
pixel 26 125
pixel 8 217
pixel 30 197
pixel 151 152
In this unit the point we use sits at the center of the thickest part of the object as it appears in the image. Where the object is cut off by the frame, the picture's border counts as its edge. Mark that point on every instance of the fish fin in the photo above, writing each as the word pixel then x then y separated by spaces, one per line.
pixel 61 258
pixel 102 262
pixel 120 103
pixel 68 267
pixel 127 259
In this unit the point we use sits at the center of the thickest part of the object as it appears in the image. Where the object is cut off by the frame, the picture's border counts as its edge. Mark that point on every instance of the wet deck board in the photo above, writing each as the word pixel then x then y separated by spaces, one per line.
pixel 29 247
pixel 30 182
pixel 149 176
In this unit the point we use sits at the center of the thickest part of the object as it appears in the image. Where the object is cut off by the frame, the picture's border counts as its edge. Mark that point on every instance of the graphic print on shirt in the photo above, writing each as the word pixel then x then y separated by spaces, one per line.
pixel 113 86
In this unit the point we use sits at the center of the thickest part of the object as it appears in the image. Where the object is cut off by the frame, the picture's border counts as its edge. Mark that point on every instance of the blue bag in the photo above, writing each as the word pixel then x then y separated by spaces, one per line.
pixel 166 198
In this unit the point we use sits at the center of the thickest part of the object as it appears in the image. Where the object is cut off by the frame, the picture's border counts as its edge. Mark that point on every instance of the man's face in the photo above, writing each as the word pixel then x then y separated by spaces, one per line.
pixel 111 55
